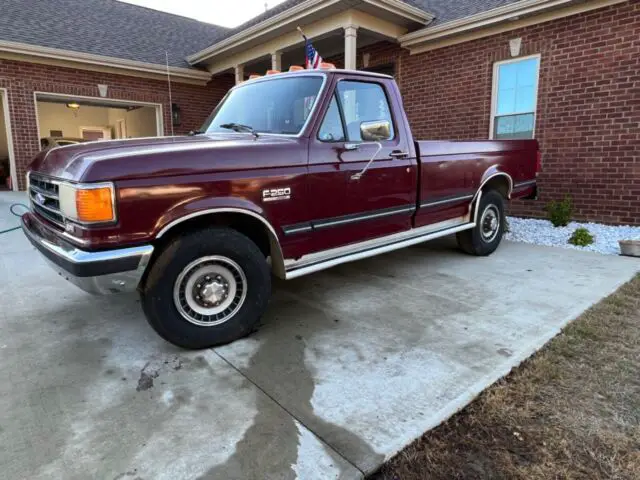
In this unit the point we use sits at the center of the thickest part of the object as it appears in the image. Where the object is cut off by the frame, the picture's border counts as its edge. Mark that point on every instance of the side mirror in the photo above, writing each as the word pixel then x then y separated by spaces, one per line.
pixel 375 131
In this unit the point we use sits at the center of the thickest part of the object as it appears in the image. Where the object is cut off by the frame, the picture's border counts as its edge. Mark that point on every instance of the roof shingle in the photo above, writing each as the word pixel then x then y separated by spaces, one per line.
pixel 121 30
pixel 106 27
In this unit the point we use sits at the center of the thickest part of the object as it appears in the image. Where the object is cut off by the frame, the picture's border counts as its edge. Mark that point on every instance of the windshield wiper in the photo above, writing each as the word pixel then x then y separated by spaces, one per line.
pixel 238 127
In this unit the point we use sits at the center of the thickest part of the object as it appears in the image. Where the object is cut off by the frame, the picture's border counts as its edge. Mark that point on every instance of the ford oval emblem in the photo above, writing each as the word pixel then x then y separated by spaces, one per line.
pixel 40 198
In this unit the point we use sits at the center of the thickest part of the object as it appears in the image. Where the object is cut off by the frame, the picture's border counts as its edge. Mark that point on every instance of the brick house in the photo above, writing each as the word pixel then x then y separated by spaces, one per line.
pixel 566 72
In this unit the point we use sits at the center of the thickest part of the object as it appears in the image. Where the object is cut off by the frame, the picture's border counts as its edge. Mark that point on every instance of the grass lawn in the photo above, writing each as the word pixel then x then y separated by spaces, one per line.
pixel 572 411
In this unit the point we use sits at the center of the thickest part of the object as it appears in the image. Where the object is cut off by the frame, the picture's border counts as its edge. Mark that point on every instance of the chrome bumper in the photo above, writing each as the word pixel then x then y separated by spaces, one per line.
pixel 110 271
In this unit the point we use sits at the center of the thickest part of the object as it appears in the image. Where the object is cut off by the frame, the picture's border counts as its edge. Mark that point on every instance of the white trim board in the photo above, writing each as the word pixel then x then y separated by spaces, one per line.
pixel 494 89
pixel 13 172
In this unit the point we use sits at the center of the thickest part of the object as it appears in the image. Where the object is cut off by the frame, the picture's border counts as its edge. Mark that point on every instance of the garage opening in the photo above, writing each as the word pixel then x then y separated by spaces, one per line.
pixel 7 165
pixel 63 120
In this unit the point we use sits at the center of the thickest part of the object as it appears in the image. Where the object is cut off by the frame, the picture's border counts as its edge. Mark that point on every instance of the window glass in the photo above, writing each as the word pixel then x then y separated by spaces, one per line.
pixel 515 104
pixel 274 106
pixel 331 129
pixel 363 102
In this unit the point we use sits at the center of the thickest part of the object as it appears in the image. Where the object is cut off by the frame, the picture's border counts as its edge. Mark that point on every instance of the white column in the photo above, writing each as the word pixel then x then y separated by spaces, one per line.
pixel 276 61
pixel 239 74
pixel 350 46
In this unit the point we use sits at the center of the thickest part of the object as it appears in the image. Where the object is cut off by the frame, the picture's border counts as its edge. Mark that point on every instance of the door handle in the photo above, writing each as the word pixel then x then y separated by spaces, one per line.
pixel 398 154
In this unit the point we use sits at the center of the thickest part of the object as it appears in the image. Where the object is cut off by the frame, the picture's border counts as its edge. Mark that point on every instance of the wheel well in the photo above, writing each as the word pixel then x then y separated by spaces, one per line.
pixel 499 183
pixel 249 226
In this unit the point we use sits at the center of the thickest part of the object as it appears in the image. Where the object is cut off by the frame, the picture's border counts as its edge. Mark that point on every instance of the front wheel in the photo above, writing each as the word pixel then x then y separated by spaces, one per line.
pixel 484 238
pixel 207 288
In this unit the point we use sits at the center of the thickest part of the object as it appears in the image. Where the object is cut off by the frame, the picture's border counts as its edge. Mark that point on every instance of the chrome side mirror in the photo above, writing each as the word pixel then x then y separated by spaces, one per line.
pixel 375 131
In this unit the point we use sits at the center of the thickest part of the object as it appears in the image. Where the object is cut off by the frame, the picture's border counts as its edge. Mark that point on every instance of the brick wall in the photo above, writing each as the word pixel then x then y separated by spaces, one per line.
pixel 588 122
pixel 22 79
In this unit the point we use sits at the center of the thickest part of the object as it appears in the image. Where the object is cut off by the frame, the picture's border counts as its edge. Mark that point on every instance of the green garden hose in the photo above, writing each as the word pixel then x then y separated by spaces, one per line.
pixel 13 211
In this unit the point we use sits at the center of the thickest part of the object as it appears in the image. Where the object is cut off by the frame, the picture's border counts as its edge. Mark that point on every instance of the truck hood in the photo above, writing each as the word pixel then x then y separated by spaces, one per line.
pixel 115 160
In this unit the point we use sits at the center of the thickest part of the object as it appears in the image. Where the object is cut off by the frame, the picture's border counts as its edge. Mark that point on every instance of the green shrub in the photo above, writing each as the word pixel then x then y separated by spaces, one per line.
pixel 581 237
pixel 560 213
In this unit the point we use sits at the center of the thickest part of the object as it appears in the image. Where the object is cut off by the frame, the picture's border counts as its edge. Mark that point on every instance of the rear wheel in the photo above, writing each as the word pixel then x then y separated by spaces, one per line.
pixel 207 288
pixel 484 238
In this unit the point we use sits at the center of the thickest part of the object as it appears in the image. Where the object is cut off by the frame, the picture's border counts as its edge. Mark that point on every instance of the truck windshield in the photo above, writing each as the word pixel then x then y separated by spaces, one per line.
pixel 279 106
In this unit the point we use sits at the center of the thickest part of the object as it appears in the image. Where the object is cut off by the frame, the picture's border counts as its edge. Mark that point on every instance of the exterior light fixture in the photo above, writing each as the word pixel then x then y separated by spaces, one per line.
pixel 175 114
pixel 73 105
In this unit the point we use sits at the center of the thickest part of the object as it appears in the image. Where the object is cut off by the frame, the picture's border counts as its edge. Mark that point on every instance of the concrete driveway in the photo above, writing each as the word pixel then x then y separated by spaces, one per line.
pixel 350 365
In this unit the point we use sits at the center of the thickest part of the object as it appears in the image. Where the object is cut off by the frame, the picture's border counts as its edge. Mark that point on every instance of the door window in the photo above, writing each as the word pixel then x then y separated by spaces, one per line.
pixel 331 129
pixel 363 102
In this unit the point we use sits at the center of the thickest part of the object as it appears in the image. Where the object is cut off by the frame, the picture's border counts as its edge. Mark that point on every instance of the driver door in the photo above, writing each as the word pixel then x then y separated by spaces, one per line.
pixel 345 208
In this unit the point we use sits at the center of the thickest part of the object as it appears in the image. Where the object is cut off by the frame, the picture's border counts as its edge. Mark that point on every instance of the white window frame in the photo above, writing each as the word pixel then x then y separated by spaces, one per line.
pixel 494 91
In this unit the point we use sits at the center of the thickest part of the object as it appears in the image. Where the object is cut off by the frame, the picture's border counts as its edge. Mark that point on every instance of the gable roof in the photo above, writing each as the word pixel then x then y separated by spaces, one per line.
pixel 106 27
pixel 444 11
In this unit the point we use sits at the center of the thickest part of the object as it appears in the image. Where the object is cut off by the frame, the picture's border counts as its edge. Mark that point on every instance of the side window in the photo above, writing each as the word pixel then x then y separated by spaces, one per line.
pixel 331 129
pixel 515 96
pixel 363 102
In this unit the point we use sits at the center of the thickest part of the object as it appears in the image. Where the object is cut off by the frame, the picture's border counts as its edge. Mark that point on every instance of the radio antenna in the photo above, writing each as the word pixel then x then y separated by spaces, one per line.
pixel 166 53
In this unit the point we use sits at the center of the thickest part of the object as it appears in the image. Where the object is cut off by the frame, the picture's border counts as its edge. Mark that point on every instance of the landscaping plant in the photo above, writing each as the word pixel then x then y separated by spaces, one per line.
pixel 560 212
pixel 581 237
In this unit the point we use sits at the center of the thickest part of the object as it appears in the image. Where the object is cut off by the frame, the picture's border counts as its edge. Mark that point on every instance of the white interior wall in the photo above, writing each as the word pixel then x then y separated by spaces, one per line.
pixel 140 122
pixel 57 116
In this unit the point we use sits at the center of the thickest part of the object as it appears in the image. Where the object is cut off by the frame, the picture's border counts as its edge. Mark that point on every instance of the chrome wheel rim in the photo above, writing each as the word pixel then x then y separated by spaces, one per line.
pixel 490 223
pixel 210 290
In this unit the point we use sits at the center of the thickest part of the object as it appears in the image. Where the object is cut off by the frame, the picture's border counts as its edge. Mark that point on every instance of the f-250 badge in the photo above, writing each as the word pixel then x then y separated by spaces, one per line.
pixel 276 194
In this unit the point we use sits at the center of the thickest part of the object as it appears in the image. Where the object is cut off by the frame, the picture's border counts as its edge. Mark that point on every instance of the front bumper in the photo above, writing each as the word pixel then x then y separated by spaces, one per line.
pixel 104 272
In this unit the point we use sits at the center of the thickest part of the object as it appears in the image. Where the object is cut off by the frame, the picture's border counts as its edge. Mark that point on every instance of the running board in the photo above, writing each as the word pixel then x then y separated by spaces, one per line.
pixel 296 272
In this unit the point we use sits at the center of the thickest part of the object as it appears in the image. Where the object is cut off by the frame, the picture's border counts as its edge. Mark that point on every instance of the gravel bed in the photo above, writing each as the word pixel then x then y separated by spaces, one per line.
pixel 542 232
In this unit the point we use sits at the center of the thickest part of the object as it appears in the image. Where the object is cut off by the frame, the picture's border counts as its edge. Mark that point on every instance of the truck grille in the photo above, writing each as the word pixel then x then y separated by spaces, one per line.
pixel 45 200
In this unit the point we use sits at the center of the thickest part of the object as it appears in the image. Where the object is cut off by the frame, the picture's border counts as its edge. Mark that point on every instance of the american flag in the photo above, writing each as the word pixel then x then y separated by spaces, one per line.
pixel 313 57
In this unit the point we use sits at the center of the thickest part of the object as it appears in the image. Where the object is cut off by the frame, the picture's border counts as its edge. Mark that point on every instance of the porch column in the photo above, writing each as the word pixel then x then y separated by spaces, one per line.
pixel 350 46
pixel 239 73
pixel 276 61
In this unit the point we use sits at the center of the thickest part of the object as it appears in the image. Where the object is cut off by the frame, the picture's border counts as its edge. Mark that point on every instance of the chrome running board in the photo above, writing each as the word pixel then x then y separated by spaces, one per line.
pixel 350 253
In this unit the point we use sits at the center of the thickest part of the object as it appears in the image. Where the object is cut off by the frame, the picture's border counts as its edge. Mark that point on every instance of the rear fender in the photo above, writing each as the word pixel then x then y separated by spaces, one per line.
pixel 493 175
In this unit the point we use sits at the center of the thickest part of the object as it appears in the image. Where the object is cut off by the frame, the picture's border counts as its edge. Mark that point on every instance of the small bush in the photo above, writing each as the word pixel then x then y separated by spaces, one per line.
pixel 581 237
pixel 560 213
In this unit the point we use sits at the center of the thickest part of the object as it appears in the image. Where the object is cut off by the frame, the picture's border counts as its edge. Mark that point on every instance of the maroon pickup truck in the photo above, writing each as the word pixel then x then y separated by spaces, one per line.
pixel 291 174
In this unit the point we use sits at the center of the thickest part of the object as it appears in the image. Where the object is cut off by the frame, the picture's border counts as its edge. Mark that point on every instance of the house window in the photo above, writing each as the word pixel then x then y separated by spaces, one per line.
pixel 515 95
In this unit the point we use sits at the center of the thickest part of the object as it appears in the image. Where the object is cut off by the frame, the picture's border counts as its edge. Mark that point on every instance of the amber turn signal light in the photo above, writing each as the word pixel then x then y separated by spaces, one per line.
pixel 95 205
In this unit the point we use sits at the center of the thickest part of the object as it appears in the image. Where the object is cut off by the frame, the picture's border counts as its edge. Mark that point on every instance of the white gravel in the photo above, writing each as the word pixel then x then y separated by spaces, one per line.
pixel 542 232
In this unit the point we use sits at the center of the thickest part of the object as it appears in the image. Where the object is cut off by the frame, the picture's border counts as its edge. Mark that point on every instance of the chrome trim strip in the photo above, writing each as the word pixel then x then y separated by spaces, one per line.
pixel 297 229
pixel 199 213
pixel 320 224
pixel 446 200
pixel 327 255
pixel 366 253
pixel 528 183
pixel 493 176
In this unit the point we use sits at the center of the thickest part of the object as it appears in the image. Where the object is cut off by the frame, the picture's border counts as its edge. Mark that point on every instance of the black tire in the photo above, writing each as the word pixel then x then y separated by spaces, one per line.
pixel 482 240
pixel 212 250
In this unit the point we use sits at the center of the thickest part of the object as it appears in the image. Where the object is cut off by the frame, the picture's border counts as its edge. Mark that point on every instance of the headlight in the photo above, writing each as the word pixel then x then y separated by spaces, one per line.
pixel 88 203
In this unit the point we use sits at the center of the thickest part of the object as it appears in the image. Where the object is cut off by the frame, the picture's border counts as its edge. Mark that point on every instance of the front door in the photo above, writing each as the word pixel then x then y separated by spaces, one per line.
pixel 351 198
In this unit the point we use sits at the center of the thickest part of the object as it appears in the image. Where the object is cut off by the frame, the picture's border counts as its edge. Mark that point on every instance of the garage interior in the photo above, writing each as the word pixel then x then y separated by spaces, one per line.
pixel 5 163
pixel 65 118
